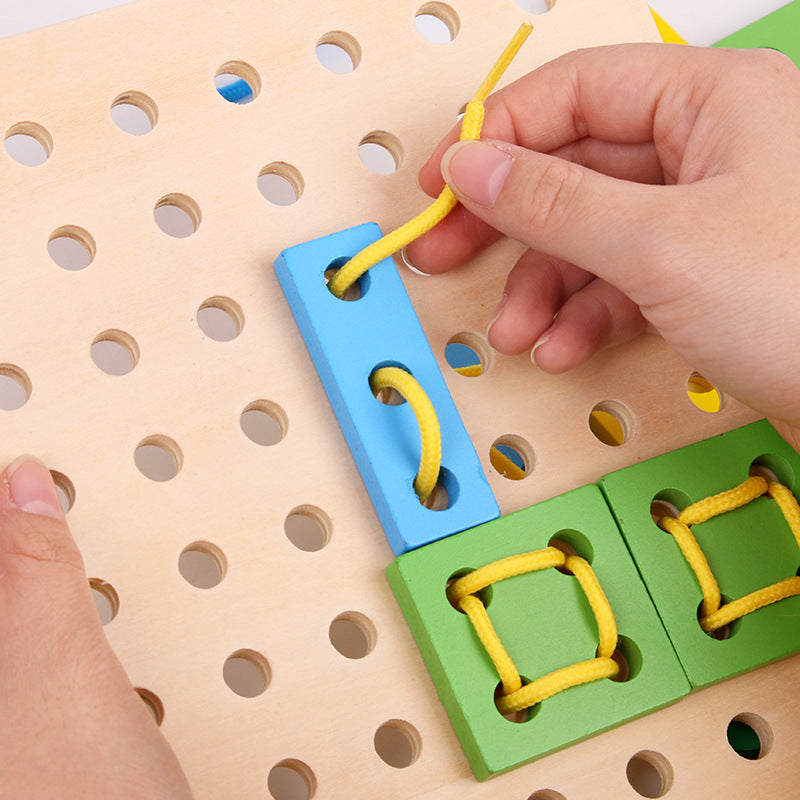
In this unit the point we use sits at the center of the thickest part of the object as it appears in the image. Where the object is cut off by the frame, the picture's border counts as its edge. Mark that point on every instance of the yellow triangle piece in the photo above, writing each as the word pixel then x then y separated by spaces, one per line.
pixel 472 371
pixel 668 33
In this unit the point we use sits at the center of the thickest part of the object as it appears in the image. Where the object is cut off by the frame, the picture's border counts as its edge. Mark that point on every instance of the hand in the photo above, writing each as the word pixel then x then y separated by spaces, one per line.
pixel 653 184
pixel 73 727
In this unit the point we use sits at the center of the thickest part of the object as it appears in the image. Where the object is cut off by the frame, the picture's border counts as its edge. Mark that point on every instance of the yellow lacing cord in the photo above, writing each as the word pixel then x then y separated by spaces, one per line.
pixel 714 615
pixel 430 462
pixel 446 201
pixel 463 593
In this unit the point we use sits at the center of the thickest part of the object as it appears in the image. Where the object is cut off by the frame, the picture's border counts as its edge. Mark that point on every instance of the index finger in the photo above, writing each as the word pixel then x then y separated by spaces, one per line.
pixel 608 93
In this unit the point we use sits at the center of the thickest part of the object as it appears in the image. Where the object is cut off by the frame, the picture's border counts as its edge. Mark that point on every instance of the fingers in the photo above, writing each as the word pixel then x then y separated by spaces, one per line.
pixel 594 318
pixel 536 288
pixel 41 566
pixel 72 724
pixel 461 235
pixel 457 238
pixel 612 94
pixel 607 226
pixel 628 162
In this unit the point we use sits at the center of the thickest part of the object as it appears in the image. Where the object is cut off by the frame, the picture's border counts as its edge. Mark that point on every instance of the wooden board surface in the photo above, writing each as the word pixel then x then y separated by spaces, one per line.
pixel 319 708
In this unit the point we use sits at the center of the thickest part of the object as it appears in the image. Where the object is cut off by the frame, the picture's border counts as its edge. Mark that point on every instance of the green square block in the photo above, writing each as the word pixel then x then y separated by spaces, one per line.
pixel 545 622
pixel 747 549
pixel 779 30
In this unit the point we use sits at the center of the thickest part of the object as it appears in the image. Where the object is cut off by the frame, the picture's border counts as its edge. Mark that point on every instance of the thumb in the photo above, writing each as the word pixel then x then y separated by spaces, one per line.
pixel 599 223
pixel 43 579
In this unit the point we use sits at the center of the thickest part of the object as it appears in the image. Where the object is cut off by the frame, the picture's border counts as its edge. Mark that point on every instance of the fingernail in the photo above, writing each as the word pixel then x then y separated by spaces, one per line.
pixel 543 339
pixel 407 262
pixel 476 171
pixel 31 487
pixel 498 312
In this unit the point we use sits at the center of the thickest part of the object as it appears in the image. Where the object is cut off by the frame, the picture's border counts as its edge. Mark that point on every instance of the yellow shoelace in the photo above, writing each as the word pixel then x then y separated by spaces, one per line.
pixel 446 201
pixel 714 615
pixel 463 593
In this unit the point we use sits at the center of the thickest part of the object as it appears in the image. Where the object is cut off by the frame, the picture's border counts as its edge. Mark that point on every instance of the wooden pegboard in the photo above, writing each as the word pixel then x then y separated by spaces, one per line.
pixel 319 709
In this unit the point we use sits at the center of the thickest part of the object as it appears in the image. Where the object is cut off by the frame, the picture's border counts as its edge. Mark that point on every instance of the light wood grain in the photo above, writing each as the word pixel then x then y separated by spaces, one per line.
pixel 319 708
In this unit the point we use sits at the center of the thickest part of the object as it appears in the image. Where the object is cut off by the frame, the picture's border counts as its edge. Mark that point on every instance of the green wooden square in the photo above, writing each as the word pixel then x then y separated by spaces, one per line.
pixel 545 622
pixel 779 30
pixel 747 549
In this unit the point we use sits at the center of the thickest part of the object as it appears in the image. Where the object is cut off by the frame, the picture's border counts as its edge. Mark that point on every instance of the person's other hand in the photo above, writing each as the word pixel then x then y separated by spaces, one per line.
pixel 73 727
pixel 652 184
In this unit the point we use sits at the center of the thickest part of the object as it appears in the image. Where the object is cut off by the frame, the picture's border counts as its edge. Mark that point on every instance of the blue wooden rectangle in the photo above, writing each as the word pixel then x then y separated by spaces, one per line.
pixel 347 341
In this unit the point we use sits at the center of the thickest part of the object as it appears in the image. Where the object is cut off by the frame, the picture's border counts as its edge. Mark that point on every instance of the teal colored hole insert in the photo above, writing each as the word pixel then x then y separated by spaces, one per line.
pixel 514 456
pixel 459 355
pixel 234 90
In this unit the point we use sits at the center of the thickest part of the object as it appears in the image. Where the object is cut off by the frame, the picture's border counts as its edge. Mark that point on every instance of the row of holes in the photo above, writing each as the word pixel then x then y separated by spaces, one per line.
pixel 135 113
pixel 264 422
pixel 651 775
pixel 31 144
pixel 470 354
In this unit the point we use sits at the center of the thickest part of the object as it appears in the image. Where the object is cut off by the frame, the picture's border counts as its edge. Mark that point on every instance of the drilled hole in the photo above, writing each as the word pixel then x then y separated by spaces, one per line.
pixel 202 564
pixel 517 717
pixel 152 703
pixel 388 395
pixel 484 595
pixel 381 152
pixel 28 144
pixel 291 780
pixel 467 354
pixel 177 215
pixel 668 503
pixel 572 543
pixel 703 394
pixel 512 457
pixel 106 599
pixel 611 423
pixel 547 794
pixel 280 183
pixel 264 423
pixel 438 499
pixel 536 6
pixel 357 289
pixel 398 743
pixel 353 635
pixel 308 528
pixel 220 318
pixel 726 631
pixel 158 458
pixel 246 673
pixel 750 736
pixel 15 387
pixel 71 248
pixel 773 468
pixel 339 52
pixel 649 774
pixel 237 82
pixel 134 113
pixel 65 490
pixel 437 22
pixel 628 657
pixel 115 352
